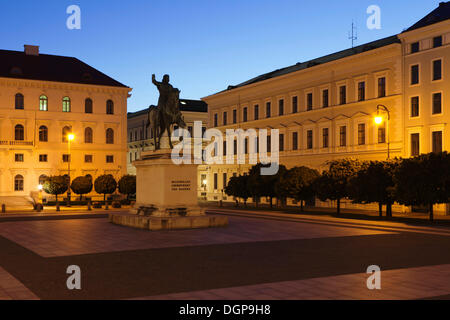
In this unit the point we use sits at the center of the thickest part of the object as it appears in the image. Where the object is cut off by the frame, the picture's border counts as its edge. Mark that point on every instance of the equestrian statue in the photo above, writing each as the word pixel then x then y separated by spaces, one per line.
pixel 167 113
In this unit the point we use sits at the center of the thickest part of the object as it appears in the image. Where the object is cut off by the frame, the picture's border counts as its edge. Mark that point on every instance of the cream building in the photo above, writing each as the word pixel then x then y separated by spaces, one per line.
pixel 140 138
pixel 325 108
pixel 42 99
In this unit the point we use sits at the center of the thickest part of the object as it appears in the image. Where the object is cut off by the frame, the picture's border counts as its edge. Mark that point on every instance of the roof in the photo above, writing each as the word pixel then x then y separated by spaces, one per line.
pixel 186 105
pixel 325 59
pixel 439 14
pixel 18 65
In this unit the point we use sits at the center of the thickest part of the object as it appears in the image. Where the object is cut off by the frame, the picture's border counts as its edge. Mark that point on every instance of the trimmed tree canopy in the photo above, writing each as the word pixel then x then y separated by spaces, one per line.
pixel 105 184
pixel 127 185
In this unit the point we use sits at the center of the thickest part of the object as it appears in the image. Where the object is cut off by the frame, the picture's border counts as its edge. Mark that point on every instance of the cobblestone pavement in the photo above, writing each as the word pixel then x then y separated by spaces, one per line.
pixel 253 258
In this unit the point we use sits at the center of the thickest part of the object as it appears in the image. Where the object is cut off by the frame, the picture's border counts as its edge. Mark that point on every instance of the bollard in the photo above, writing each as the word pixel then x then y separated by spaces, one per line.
pixel 89 205
pixel 3 208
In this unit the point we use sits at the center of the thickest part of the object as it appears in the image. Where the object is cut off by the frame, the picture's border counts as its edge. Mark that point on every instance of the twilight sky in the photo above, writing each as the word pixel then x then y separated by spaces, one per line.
pixel 205 45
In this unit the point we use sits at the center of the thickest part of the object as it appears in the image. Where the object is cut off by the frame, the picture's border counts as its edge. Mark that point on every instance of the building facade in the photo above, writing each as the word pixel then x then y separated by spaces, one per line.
pixel 324 109
pixel 43 98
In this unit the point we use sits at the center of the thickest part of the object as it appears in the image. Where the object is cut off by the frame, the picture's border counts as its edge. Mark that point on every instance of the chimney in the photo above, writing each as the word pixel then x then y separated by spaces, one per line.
pixel 31 50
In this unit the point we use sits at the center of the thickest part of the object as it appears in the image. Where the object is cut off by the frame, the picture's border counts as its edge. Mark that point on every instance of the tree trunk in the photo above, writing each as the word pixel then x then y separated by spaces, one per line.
pixel 271 204
pixel 301 206
pixel 338 206
pixel 431 212
pixel 389 210
pixel 380 210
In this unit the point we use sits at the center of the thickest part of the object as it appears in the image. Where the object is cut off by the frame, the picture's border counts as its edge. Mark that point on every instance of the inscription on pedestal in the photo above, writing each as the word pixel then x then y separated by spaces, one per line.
pixel 181 185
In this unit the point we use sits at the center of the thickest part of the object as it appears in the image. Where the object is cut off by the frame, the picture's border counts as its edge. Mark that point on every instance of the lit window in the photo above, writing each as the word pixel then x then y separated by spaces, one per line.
pixel 43 134
pixel 66 104
pixel 43 103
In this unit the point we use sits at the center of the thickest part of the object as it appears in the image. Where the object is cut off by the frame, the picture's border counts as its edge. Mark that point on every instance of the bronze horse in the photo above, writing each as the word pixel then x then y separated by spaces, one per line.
pixel 160 120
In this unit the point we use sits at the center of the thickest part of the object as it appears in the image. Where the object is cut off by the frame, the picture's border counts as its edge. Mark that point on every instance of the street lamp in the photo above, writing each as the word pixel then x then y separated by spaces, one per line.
pixel 70 138
pixel 379 120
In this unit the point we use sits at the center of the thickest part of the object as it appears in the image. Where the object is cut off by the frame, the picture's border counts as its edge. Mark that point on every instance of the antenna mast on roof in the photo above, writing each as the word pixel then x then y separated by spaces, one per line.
pixel 353 35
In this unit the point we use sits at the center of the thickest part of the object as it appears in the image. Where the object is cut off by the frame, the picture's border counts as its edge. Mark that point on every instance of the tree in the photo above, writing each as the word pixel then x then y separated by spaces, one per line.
pixel 333 184
pixel 375 183
pixel 127 185
pixel 424 181
pixel 56 185
pixel 264 186
pixel 81 186
pixel 105 184
pixel 297 184
pixel 238 187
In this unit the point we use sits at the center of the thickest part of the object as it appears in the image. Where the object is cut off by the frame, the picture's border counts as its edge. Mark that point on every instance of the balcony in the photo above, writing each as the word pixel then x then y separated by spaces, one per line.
pixel 16 143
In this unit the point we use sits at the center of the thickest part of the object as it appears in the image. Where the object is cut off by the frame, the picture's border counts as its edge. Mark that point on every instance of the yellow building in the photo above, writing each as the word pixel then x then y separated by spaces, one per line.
pixel 42 99
pixel 325 108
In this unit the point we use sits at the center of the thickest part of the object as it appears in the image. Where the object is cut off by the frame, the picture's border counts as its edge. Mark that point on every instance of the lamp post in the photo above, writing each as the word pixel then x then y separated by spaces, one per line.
pixel 379 120
pixel 70 138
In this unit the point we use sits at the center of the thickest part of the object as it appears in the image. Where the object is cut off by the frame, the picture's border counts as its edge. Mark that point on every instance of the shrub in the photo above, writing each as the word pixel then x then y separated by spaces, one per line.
pixel 56 185
pixel 105 184
pixel 127 185
pixel 81 185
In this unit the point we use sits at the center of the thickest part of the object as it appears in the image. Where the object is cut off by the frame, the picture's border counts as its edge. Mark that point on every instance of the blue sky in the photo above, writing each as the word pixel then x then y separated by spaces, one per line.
pixel 205 45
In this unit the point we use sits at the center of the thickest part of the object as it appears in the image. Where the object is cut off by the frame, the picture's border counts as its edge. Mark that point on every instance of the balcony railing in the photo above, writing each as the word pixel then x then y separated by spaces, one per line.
pixel 16 143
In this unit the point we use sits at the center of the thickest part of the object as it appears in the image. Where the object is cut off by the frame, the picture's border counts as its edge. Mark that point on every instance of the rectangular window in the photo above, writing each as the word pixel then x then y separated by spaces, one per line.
pixel 256 112
pixel 414 107
pixel 224 179
pixel 66 158
pixel 110 159
pixel 437 103
pixel 294 104
pixel 437 70
pixel 234 116
pixel 415 144
pixel 216 121
pixel 343 95
pixel 325 98
pixel 309 102
pixel 381 87
pixel 245 115
pixel 268 110
pixel 88 158
pixel 269 144
pixel 309 139
pixel 281 137
pixel 343 136
pixel 361 134
pixel 225 118
pixel 281 107
pixel 325 138
pixel 415 74
pixel 246 145
pixel 235 147
pixel 18 157
pixel 361 91
pixel 295 141
pixel 43 158
pixel 437 141
pixel 224 148
pixel 382 135
pixel 215 181
pixel 415 47
pixel 437 42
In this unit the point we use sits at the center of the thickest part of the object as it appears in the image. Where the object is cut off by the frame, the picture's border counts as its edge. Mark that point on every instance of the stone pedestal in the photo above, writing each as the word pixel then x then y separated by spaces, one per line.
pixel 166 196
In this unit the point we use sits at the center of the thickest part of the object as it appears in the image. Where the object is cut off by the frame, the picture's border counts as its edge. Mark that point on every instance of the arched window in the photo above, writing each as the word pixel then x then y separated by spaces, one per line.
pixel 110 136
pixel 109 107
pixel 88 135
pixel 66 104
pixel 18 183
pixel 43 134
pixel 65 132
pixel 88 105
pixel 19 133
pixel 42 179
pixel 43 103
pixel 19 101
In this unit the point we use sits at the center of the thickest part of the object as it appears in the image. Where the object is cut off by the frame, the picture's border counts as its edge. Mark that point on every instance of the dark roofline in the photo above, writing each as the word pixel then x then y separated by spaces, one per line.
pixel 190 106
pixel 439 14
pixel 318 61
